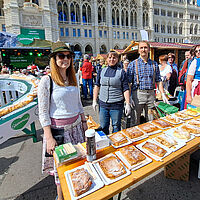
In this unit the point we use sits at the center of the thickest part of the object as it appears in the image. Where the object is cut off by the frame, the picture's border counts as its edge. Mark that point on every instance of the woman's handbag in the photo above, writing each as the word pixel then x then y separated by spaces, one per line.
pixel 58 135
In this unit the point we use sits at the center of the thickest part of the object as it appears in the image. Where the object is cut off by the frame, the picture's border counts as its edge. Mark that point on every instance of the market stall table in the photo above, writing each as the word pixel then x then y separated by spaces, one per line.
pixel 109 191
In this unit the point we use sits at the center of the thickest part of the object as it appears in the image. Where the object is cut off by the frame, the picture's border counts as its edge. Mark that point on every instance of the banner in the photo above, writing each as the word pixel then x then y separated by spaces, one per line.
pixel 14 123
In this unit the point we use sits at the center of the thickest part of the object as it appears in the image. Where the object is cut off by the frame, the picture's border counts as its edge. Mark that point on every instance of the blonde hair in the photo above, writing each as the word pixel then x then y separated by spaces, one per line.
pixel 56 76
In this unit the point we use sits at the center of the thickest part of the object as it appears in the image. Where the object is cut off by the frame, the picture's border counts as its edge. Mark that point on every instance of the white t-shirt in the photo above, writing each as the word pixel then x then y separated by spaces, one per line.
pixel 65 102
pixel 165 71
pixel 192 68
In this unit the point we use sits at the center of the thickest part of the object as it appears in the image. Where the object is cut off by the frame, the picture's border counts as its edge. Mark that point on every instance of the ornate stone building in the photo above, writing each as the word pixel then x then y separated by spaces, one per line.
pixel 95 26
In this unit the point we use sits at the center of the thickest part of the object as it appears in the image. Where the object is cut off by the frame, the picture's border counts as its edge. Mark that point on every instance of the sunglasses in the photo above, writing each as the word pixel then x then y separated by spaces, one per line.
pixel 63 56
pixel 197 51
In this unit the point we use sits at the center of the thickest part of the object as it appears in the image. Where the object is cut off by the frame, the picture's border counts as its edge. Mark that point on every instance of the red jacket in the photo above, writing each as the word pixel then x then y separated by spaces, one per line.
pixel 86 69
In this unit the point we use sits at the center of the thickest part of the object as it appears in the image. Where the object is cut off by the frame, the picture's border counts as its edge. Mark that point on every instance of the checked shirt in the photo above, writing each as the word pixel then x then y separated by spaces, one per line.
pixel 146 74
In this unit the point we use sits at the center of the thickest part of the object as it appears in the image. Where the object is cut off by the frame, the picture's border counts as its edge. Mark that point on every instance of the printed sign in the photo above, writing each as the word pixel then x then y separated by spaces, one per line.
pixel 18 123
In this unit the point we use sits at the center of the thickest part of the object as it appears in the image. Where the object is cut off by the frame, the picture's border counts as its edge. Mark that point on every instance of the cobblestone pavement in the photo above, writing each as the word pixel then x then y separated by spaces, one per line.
pixel 21 178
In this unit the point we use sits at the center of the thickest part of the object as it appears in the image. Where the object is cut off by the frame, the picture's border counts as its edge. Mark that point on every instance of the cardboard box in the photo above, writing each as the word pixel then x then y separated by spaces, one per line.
pixel 178 169
pixel 101 140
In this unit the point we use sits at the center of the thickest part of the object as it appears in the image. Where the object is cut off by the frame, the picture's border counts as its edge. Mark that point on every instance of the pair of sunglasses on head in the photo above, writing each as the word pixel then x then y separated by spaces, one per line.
pixel 63 56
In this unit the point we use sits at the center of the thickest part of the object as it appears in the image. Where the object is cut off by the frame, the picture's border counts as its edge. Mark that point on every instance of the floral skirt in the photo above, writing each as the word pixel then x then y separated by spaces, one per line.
pixel 72 133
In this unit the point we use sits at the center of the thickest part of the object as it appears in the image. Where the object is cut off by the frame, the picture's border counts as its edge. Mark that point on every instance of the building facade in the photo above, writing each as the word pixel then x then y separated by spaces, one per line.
pixel 95 26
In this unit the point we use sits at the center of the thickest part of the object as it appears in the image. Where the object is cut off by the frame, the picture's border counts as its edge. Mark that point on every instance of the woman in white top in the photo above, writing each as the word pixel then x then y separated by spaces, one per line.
pixel 193 77
pixel 60 106
pixel 165 70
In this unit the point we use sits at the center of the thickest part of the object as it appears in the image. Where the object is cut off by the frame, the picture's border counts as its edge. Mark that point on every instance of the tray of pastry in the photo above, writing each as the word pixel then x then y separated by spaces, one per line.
pixel 173 119
pixel 190 112
pixel 192 129
pixel 169 142
pixel 132 157
pixel 149 128
pixel 194 123
pixel 110 169
pixel 154 150
pixel 118 139
pixel 180 134
pixel 183 116
pixel 134 134
pixel 161 124
pixel 83 180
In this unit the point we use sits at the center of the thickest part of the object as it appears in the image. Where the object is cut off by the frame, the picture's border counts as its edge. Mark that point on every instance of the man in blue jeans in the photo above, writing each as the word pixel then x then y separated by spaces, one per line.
pixel 87 69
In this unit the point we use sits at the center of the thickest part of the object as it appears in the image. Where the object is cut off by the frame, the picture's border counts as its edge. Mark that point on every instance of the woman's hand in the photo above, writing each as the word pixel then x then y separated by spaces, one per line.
pixel 51 144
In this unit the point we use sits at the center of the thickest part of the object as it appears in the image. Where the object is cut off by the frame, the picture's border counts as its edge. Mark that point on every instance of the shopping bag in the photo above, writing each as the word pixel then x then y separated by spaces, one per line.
pixel 166 108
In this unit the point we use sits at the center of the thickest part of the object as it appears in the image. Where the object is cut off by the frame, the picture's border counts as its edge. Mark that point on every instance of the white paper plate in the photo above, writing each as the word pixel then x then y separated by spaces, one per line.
pixel 170 132
pixel 179 145
pixel 105 179
pixel 139 146
pixel 96 183
pixel 137 138
pixel 136 166
pixel 174 122
pixel 122 145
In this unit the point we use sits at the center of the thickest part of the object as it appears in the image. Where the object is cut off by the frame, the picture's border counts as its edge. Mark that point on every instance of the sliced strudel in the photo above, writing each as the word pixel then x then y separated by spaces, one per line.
pixel 132 155
pixel 112 167
pixel 81 181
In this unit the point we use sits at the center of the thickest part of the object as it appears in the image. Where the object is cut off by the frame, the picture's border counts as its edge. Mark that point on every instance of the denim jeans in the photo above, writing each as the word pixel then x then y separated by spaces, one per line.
pixel 85 91
pixel 104 117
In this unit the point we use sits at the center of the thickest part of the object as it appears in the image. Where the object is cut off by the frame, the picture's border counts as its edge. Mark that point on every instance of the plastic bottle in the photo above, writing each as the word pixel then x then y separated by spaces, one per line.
pixel 90 144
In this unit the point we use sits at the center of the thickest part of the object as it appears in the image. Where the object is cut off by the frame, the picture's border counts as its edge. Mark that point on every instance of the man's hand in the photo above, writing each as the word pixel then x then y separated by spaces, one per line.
pixel 127 109
pixel 95 105
pixel 164 98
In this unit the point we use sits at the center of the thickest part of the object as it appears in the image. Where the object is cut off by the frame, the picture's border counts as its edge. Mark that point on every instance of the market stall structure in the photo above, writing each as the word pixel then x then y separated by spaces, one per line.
pixel 157 49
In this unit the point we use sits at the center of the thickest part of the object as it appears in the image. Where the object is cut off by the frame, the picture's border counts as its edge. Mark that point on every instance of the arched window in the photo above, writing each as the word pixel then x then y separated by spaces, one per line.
pixel 123 18
pixel 60 13
pixel 156 27
pixel 196 29
pixel 133 14
pixel 103 49
pixel 175 28
pixel 145 14
pixel 88 50
pixel 191 29
pixel 65 12
pixel 101 14
pixel 113 17
pixel 116 47
pixel 180 29
pixel 75 12
pixel 169 28
pixel 162 28
pixel 77 47
pixel 117 16
pixel 86 13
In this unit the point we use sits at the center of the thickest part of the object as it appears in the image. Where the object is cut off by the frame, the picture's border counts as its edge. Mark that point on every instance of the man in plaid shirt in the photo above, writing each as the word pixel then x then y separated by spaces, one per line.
pixel 142 74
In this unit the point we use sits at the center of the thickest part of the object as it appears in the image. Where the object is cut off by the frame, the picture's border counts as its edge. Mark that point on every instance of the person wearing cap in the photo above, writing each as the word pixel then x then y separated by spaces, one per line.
pixel 86 70
pixel 60 107
pixel 112 87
